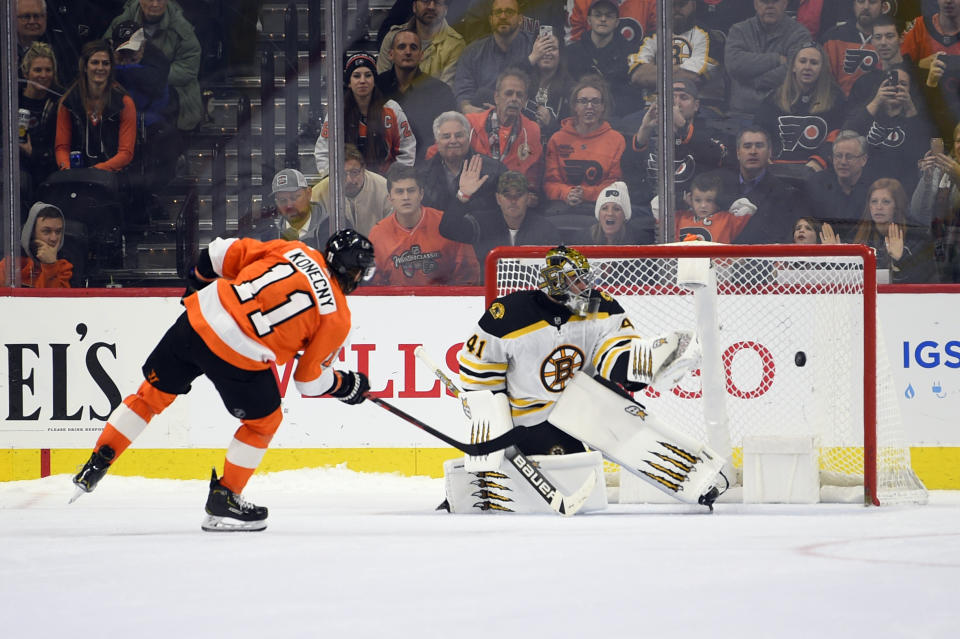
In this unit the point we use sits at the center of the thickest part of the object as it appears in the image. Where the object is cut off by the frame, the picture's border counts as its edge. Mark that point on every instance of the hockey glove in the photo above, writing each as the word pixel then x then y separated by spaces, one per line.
pixel 200 275
pixel 351 387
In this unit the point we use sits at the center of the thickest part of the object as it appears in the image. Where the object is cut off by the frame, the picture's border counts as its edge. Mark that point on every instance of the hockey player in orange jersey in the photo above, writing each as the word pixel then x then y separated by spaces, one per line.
pixel 255 303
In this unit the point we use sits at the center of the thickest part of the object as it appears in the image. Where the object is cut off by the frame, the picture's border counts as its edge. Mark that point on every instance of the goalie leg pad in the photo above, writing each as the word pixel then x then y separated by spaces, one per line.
pixel 490 417
pixel 628 435
pixel 505 489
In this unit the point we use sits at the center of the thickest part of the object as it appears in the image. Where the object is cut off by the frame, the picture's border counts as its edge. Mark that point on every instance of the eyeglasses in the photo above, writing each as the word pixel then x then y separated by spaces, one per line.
pixel 590 101
pixel 507 13
pixel 354 173
pixel 846 157
pixel 31 17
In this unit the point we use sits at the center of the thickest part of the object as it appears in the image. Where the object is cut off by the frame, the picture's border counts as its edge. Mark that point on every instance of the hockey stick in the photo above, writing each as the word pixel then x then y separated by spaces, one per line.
pixel 482 448
pixel 563 504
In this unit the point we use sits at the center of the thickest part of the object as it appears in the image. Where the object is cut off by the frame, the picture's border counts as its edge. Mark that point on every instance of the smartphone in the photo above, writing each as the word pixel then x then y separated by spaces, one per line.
pixel 546 30
pixel 893 78
pixel 936 145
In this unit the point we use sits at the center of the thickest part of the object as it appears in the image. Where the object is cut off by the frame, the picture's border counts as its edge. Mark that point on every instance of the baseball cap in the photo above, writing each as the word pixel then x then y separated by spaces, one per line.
pixel 512 181
pixel 617 193
pixel 288 180
pixel 124 31
pixel 687 86
pixel 134 42
pixel 610 3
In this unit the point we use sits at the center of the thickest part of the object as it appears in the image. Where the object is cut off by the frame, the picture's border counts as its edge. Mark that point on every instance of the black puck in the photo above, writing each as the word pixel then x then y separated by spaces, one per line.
pixel 800 358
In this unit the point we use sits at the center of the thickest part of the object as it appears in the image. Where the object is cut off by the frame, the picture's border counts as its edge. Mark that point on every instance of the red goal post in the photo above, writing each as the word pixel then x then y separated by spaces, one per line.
pixel 790 348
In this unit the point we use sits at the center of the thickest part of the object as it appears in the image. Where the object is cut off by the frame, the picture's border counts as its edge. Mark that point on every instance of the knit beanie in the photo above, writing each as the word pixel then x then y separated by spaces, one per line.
pixel 617 193
pixel 356 61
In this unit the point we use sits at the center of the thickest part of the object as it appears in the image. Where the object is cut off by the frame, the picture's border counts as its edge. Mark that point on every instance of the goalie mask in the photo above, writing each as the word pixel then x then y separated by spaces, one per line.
pixel 566 277
pixel 350 258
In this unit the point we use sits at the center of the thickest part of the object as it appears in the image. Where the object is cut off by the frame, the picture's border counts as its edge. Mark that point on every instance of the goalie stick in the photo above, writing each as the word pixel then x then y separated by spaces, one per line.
pixel 546 489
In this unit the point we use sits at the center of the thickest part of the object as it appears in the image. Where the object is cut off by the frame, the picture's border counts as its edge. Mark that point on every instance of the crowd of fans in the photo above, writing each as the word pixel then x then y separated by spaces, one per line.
pixel 472 124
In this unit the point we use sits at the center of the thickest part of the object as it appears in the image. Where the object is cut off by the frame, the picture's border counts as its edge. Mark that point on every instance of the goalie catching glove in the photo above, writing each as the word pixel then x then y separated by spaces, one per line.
pixel 351 387
pixel 663 359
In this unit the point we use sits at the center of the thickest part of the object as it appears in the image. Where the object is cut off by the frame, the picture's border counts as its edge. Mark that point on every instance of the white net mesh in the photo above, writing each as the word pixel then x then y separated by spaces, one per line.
pixel 790 334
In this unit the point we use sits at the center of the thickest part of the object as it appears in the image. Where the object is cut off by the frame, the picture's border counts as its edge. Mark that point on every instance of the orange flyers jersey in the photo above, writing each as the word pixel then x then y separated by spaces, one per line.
pixel 638 19
pixel 421 256
pixel 850 54
pixel 720 227
pixel 272 300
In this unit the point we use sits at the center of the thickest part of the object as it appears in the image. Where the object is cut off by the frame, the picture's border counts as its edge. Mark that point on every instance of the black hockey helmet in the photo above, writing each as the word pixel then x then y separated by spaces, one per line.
pixel 350 258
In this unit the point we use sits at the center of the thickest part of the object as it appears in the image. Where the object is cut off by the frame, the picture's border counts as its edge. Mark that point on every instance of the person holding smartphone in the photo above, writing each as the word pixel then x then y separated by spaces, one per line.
pixel 897 134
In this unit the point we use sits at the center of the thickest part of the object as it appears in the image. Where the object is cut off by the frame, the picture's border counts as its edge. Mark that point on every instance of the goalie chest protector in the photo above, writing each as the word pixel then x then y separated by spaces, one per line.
pixel 538 344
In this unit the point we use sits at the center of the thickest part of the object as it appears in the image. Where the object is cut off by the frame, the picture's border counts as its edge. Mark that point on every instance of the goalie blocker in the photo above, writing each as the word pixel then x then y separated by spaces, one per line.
pixel 622 429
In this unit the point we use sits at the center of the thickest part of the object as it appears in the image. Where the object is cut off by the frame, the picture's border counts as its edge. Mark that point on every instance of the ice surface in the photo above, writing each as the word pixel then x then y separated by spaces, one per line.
pixel 365 555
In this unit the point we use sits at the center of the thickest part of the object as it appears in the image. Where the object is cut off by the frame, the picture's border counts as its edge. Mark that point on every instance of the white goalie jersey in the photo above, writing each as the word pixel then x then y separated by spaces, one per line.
pixel 530 345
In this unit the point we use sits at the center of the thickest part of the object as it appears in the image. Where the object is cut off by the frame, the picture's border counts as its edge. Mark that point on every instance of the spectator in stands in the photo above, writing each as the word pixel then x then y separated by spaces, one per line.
pixel 302 218
pixel 906 251
pixel 441 175
pixel 720 15
pixel 616 224
pixel 695 148
pixel 365 193
pixel 838 195
pixel 40 95
pixel 694 54
pixel 96 116
pixel 41 238
pixel 931 36
pixel 936 205
pixel 511 224
pixel 377 126
pixel 805 112
pixel 142 70
pixel 638 19
pixel 777 204
pixel 483 60
pixel 31 25
pixel 441 44
pixel 166 28
pixel 810 230
pixel 758 51
pixel 897 133
pixel 421 96
pixel 505 134
pixel 409 248
pixel 548 97
pixel 699 215
pixel 886 38
pixel 605 52
pixel 849 45
pixel 583 157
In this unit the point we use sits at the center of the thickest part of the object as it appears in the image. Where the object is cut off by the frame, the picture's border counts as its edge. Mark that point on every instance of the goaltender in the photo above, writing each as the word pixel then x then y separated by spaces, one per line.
pixel 556 365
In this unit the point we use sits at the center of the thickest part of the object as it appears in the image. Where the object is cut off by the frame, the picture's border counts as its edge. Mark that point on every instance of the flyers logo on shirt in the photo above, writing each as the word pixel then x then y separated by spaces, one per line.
pixel 859 60
pixel 630 30
pixel 890 137
pixel 807 131
pixel 588 172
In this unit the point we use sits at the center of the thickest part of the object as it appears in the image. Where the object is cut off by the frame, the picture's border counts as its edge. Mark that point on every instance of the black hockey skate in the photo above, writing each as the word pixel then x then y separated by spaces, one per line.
pixel 93 471
pixel 229 512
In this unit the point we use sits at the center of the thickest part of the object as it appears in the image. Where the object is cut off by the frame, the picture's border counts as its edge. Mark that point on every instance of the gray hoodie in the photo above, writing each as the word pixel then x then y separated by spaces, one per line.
pixel 26 234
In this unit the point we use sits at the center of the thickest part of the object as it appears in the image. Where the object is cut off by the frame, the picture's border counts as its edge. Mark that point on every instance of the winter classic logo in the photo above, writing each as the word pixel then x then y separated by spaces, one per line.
pixel 414 259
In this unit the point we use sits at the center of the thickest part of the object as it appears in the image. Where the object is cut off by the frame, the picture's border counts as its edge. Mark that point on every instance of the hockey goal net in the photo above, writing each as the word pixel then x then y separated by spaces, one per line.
pixel 790 348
